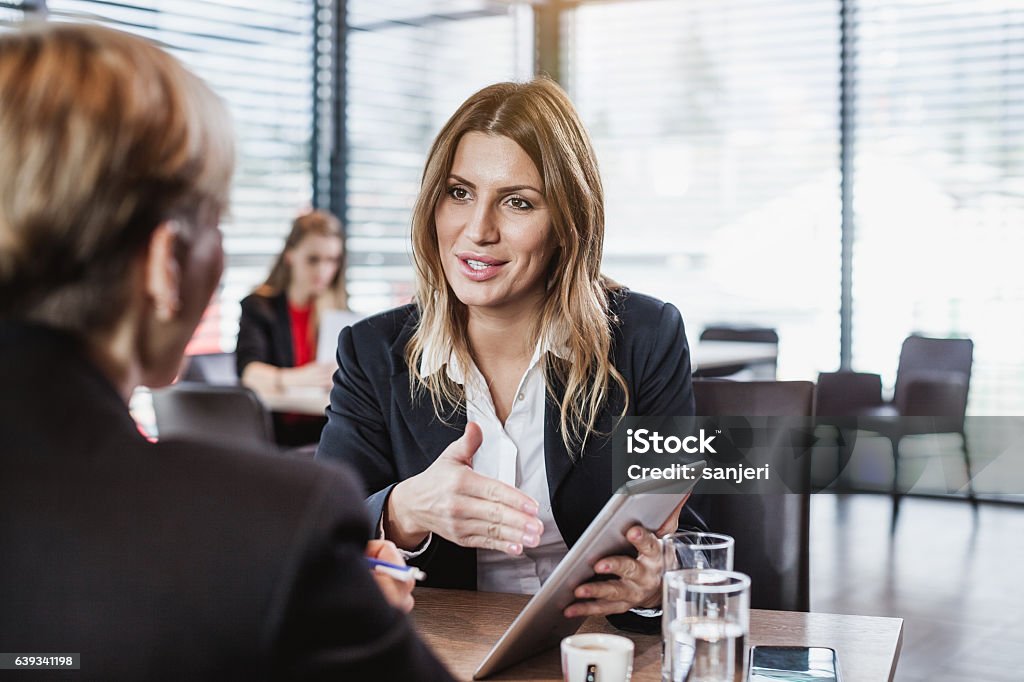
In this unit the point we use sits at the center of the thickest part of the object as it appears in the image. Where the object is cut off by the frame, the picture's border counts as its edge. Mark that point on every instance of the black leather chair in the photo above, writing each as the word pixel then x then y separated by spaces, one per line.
pixel 772 532
pixel 225 414
pixel 216 369
pixel 932 383
pixel 759 371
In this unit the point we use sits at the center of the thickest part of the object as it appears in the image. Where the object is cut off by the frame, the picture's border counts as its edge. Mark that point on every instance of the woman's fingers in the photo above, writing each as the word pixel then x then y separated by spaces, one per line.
pixel 474 516
pixel 599 607
pixel 645 541
pixel 493 490
pixel 398 593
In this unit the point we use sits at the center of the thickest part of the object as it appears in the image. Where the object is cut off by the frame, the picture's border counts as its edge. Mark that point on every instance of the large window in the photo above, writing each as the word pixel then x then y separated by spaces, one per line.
pixel 259 58
pixel 939 186
pixel 409 66
pixel 717 129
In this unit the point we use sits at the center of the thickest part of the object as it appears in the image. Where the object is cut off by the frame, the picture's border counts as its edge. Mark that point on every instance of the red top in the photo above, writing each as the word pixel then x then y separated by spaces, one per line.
pixel 303 344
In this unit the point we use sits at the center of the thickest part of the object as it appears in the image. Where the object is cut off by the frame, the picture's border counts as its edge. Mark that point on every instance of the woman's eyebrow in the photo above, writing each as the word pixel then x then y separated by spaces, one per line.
pixel 501 190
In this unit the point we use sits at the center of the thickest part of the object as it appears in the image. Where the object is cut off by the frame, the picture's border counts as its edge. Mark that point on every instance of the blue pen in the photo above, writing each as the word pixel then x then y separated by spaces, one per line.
pixel 405 573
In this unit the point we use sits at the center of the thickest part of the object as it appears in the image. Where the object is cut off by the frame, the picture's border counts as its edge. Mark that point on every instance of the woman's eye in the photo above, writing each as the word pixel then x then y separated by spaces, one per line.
pixel 519 203
pixel 458 193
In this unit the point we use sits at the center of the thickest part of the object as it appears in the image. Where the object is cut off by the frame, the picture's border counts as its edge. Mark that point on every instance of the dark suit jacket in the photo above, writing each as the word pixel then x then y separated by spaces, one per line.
pixel 175 561
pixel 264 332
pixel 374 425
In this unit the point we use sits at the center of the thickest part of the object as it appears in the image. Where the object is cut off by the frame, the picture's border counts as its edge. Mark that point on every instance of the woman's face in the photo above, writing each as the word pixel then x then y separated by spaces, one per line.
pixel 494 229
pixel 314 262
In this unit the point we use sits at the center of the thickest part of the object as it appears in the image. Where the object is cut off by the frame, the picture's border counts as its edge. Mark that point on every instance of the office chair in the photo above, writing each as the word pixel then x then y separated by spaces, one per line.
pixel 772 532
pixel 932 380
pixel 765 370
pixel 217 369
pixel 225 414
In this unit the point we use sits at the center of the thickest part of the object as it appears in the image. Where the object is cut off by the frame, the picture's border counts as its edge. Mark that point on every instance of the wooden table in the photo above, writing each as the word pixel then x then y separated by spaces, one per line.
pixel 461 626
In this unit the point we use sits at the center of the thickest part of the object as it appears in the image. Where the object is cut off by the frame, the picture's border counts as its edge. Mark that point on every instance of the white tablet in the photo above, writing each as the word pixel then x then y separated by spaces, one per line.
pixel 541 625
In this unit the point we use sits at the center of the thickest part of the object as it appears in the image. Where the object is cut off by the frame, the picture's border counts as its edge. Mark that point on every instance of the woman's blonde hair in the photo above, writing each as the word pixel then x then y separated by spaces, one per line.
pixel 539 117
pixel 314 223
pixel 103 136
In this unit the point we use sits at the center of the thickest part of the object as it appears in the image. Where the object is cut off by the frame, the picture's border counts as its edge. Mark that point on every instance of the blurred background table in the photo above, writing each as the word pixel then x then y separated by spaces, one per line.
pixel 705 355
pixel 461 626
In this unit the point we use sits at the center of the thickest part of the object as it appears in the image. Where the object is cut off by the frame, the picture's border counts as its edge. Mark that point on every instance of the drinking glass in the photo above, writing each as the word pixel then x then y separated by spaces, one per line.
pixel 707 636
pixel 697 550
pixel 689 550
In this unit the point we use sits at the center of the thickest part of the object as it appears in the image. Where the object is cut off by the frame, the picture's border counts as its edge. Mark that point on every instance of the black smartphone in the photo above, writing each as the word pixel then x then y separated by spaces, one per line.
pixel 793 664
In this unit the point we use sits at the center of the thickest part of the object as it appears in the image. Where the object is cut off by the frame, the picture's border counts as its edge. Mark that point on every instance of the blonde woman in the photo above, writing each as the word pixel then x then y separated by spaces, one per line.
pixel 479 416
pixel 278 328
pixel 154 561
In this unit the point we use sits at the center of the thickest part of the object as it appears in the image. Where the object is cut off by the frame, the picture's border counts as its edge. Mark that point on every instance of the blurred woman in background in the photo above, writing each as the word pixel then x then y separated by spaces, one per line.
pixel 279 327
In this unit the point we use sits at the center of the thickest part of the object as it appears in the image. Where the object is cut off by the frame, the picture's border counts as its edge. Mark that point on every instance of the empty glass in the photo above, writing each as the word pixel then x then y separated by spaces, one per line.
pixel 707 635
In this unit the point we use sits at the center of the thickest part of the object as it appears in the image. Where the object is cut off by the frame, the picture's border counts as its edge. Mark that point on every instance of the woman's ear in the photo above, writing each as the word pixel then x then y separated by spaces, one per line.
pixel 163 272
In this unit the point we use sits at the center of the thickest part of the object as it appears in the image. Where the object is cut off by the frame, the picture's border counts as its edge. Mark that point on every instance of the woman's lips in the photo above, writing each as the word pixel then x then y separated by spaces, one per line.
pixel 480 269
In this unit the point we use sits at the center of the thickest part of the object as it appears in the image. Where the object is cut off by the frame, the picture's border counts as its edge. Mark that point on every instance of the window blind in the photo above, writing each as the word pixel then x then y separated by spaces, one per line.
pixel 10 12
pixel 716 124
pixel 939 186
pixel 259 58
pixel 409 66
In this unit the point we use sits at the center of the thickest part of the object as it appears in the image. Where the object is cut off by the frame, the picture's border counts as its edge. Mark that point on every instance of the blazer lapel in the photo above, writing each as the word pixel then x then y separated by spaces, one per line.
pixel 557 462
pixel 430 434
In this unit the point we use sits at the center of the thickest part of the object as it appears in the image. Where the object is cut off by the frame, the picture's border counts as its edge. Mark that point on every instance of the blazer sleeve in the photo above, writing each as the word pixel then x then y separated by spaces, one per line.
pixel 255 335
pixel 665 384
pixel 335 623
pixel 356 432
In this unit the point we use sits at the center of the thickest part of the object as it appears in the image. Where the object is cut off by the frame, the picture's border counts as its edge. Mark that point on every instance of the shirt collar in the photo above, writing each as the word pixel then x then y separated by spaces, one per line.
pixel 435 357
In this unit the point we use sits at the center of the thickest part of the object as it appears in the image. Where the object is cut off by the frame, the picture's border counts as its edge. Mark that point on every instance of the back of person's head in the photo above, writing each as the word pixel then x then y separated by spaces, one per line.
pixel 103 137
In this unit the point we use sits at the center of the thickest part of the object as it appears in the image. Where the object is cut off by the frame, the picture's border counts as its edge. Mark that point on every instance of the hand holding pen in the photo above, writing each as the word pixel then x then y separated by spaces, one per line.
pixel 394 578
pixel 403 573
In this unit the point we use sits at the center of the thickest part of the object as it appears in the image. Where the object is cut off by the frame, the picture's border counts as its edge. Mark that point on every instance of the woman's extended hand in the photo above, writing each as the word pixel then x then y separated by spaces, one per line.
pixel 397 592
pixel 468 508
pixel 638 584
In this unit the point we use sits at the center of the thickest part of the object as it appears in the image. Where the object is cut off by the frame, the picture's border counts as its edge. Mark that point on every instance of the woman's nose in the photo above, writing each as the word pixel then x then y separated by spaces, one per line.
pixel 482 226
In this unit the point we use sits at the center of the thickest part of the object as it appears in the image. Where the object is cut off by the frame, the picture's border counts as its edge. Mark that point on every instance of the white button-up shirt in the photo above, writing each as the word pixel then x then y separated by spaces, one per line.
pixel 512 453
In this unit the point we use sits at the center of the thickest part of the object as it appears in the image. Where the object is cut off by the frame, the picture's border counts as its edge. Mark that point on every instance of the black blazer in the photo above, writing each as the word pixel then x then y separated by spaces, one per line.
pixel 374 425
pixel 175 561
pixel 264 332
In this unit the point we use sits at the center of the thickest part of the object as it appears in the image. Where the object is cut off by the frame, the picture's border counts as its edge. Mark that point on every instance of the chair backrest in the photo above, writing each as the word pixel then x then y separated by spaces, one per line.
pixel 754 398
pixel 758 371
pixel 224 414
pixel 739 333
pixel 217 369
pixel 924 358
pixel 772 532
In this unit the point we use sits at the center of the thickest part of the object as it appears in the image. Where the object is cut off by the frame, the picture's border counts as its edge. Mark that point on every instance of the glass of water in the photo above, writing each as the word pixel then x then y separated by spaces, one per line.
pixel 689 550
pixel 697 550
pixel 707 634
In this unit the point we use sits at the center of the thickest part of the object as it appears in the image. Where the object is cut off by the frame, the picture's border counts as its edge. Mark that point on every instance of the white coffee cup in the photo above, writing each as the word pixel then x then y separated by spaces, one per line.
pixel 596 657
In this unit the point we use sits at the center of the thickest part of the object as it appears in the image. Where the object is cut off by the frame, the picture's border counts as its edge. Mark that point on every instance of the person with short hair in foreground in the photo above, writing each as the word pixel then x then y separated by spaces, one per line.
pixel 176 561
